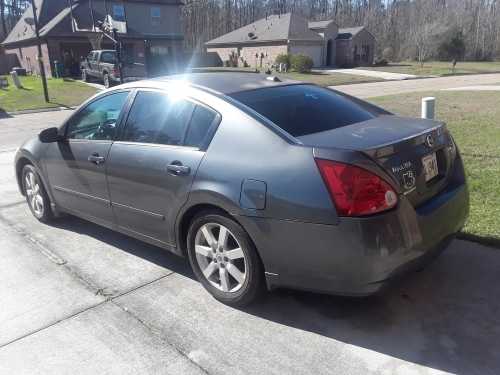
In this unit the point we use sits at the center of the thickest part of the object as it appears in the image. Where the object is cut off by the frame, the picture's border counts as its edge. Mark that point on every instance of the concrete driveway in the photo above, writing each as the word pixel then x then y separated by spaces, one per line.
pixel 367 90
pixel 80 299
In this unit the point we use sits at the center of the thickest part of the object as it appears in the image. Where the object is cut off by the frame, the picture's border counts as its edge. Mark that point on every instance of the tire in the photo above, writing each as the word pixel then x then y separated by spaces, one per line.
pixel 38 200
pixel 85 77
pixel 106 81
pixel 217 262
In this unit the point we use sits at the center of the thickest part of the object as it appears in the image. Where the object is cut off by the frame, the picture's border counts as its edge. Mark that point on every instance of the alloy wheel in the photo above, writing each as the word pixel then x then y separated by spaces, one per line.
pixel 220 257
pixel 34 193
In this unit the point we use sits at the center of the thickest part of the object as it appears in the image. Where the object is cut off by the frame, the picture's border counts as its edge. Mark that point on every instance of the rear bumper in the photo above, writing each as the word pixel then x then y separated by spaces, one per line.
pixel 359 256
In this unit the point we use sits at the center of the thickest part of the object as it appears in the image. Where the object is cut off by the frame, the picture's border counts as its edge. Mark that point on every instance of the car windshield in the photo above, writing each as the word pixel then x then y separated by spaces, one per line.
pixel 307 109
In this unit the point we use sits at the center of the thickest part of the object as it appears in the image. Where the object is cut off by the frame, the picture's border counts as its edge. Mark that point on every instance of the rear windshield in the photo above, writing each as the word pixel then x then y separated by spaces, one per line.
pixel 307 109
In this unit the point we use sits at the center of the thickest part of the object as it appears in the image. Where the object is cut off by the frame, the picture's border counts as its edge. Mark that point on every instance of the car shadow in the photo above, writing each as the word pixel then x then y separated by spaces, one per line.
pixel 150 253
pixel 446 316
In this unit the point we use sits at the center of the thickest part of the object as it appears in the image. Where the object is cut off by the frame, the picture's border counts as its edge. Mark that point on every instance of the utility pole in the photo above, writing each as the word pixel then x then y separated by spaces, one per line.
pixel 40 57
pixel 118 49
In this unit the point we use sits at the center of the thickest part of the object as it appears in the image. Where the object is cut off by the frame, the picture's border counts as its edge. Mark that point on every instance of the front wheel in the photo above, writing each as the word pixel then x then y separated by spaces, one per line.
pixel 224 259
pixel 36 196
pixel 107 82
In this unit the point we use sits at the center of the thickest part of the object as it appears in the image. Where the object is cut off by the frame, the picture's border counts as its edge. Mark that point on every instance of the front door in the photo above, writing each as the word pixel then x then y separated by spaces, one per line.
pixel 152 166
pixel 76 165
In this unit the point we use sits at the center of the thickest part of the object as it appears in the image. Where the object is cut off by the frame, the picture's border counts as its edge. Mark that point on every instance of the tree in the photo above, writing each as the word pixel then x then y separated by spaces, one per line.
pixel 452 46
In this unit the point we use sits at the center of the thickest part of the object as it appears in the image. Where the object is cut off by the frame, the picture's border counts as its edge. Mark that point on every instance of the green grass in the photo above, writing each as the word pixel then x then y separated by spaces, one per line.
pixel 439 68
pixel 472 118
pixel 62 93
pixel 324 79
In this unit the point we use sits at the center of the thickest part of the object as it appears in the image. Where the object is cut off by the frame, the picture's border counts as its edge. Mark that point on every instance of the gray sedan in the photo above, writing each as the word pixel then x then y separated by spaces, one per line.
pixel 261 183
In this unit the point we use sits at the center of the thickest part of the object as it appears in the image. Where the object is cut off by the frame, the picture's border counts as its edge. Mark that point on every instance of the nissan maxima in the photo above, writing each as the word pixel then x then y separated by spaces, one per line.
pixel 259 182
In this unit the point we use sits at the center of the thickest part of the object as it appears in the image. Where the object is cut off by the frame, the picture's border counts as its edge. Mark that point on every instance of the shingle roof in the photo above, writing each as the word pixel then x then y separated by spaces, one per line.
pixel 273 28
pixel 320 24
pixel 349 32
pixel 54 19
pixel 46 11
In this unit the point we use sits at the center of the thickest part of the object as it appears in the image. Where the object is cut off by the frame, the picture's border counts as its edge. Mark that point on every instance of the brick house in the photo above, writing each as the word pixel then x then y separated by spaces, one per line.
pixel 259 43
pixel 149 29
pixel 355 47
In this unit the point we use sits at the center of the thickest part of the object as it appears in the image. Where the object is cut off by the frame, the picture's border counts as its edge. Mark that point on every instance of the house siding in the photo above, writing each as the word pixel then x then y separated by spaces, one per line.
pixel 314 51
pixel 27 57
pixel 364 38
pixel 350 51
pixel 248 53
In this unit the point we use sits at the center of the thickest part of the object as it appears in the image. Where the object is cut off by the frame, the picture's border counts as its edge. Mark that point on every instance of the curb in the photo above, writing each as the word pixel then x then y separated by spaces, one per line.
pixel 39 110
pixel 486 241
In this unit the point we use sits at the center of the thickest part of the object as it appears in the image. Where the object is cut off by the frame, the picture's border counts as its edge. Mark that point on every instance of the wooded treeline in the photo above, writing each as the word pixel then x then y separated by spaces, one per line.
pixel 405 29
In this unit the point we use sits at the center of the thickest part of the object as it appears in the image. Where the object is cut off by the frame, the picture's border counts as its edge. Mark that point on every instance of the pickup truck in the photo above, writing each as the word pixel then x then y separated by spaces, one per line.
pixel 101 65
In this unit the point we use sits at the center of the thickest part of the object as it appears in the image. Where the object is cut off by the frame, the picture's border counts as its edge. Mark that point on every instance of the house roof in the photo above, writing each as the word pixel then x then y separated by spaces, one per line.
pixel 349 32
pixel 54 19
pixel 46 11
pixel 282 27
pixel 320 24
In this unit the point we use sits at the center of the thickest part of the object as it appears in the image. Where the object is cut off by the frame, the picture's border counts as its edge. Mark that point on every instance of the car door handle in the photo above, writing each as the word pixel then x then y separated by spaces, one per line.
pixel 95 158
pixel 178 169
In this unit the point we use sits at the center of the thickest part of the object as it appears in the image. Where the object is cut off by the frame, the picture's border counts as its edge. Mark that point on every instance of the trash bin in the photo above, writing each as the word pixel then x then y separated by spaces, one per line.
pixel 20 71
pixel 4 82
pixel 15 79
pixel 58 69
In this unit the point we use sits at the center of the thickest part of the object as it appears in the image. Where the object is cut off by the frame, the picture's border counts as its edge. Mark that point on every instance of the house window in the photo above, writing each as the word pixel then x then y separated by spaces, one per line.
pixel 155 15
pixel 119 13
pixel 160 50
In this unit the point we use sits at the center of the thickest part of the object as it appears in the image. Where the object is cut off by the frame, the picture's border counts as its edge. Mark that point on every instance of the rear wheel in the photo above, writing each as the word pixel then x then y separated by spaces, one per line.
pixel 36 196
pixel 224 259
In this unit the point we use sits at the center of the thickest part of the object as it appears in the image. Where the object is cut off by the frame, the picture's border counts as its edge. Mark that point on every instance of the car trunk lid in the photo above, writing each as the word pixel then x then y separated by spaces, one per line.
pixel 402 147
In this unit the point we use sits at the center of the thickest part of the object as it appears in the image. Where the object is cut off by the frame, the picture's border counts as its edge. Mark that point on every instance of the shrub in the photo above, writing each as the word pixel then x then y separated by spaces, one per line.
pixel 452 46
pixel 301 63
pixel 388 54
pixel 283 58
pixel 381 62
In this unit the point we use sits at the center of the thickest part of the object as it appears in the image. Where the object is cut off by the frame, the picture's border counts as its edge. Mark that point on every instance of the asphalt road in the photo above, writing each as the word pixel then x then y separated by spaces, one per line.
pixel 76 298
pixel 372 89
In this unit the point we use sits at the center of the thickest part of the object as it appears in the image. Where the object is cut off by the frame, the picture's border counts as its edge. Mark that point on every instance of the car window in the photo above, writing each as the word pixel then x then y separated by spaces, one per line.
pixel 306 109
pixel 108 57
pixel 199 126
pixel 97 121
pixel 157 118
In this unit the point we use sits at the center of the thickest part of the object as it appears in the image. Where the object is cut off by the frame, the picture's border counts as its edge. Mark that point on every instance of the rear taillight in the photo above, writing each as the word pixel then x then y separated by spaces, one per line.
pixel 356 191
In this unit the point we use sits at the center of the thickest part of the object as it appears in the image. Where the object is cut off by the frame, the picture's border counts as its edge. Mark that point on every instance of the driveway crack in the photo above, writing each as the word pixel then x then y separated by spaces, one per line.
pixel 156 332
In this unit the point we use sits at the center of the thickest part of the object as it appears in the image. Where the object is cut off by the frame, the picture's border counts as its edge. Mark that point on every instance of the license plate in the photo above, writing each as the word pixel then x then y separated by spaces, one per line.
pixel 430 166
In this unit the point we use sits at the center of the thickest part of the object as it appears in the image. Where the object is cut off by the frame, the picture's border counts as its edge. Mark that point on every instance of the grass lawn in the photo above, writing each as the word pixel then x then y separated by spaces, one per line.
pixel 323 79
pixel 439 68
pixel 472 118
pixel 62 93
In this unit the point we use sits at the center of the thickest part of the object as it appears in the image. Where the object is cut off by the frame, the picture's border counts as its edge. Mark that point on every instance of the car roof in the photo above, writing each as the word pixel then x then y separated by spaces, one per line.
pixel 221 82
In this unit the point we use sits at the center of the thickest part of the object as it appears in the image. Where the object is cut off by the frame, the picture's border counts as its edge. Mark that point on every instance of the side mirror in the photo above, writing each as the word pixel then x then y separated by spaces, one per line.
pixel 49 135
